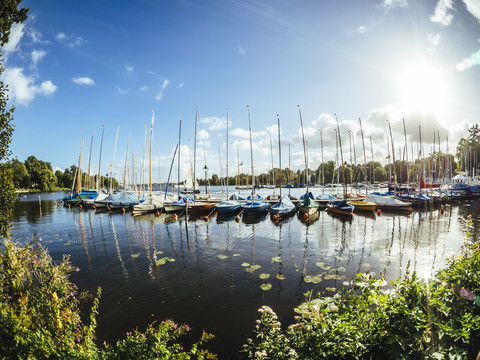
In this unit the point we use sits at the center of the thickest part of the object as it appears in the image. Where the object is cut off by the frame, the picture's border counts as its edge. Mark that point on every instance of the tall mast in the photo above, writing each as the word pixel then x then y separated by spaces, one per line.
pixel 304 147
pixel 341 158
pixel 251 152
pixel 393 154
pixel 178 163
pixel 195 154
pixel 323 177
pixel 273 172
pixel 279 155
pixel 150 165
pixel 113 160
pixel 227 157
pixel 88 169
pixel 99 178
pixel 79 178
pixel 364 153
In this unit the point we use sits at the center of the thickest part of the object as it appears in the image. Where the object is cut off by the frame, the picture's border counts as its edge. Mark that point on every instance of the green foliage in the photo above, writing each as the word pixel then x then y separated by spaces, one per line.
pixel 9 14
pixel 8 197
pixel 40 308
pixel 41 315
pixel 413 319
pixel 21 178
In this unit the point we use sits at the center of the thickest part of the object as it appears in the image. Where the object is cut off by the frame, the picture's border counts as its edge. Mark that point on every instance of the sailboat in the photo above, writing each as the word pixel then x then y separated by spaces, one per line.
pixel 231 205
pixel 307 206
pixel 190 185
pixel 154 202
pixel 198 208
pixel 341 207
pixel 253 207
pixel 285 206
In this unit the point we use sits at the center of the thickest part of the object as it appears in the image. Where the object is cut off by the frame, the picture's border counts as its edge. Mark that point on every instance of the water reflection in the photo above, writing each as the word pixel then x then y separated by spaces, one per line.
pixel 153 267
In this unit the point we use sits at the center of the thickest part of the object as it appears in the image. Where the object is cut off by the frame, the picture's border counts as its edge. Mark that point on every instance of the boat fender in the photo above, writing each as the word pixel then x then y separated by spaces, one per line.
pixel 157 213
pixel 80 206
pixel 68 205
pixel 237 218
pixel 275 217
pixel 379 212
pixel 410 210
pixel 175 217
pixel 305 215
pixel 205 218
pixel 442 210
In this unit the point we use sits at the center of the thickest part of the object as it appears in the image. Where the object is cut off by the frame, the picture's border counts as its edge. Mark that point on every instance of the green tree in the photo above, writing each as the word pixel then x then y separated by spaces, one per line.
pixel 9 14
pixel 36 171
pixel 48 180
pixel 21 178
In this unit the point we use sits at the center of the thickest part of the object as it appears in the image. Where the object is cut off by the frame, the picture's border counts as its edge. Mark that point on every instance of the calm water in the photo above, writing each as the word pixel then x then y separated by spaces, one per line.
pixel 204 281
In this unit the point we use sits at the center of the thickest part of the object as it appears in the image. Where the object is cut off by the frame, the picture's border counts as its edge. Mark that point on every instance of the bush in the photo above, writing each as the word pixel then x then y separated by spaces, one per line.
pixel 40 315
pixel 413 319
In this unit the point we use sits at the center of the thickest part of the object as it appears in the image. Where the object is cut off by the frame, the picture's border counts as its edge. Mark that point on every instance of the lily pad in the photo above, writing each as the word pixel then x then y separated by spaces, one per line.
pixel 135 255
pixel 281 277
pixel 159 252
pixel 266 287
pixel 245 264
pixel 252 268
pixel 276 259
pixel 237 254
pixel 332 289
pixel 264 276
pixel 222 257
pixel 320 264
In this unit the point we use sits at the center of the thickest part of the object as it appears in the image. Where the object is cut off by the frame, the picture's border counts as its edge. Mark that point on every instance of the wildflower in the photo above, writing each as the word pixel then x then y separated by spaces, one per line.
pixel 188 328
pixel 129 333
pixel 77 269
pixel 78 339
pixel 292 352
pixel 467 294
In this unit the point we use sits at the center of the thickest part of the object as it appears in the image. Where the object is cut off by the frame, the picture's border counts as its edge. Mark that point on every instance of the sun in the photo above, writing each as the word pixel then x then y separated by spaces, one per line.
pixel 422 87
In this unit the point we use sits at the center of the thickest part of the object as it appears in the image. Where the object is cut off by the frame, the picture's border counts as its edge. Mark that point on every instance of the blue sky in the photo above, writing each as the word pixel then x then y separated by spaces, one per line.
pixel 75 66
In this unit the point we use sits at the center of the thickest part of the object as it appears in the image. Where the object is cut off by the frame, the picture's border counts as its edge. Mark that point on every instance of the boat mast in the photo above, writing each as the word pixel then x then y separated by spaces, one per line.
pixel 251 152
pixel 279 156
pixel 99 178
pixel 323 175
pixel 195 155
pixel 364 153
pixel 227 158
pixel 273 171
pixel 113 160
pixel 79 178
pixel 178 163
pixel 341 159
pixel 89 159
pixel 304 147
pixel 393 154
pixel 150 165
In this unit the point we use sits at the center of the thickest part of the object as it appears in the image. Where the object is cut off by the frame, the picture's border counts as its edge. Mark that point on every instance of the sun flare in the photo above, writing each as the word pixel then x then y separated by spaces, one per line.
pixel 422 87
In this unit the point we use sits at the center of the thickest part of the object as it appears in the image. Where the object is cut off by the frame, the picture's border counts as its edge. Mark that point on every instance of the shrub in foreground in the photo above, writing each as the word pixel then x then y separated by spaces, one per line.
pixel 41 315
pixel 412 319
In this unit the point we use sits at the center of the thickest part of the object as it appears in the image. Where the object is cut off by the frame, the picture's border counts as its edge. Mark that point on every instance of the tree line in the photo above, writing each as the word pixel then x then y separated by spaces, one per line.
pixel 35 174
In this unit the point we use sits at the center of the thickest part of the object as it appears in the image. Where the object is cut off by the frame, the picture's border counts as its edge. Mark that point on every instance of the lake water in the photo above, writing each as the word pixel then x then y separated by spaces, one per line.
pixel 204 280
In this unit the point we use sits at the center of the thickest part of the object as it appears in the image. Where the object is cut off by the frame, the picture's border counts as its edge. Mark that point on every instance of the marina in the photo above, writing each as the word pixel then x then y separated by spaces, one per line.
pixel 208 272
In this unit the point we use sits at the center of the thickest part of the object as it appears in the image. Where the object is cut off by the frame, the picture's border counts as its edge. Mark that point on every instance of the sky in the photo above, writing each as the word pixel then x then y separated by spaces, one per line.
pixel 77 68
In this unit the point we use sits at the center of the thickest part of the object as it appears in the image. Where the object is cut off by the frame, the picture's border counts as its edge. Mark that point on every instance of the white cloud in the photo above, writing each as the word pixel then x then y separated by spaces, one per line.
pixel 203 135
pixel 37 55
pixel 214 123
pixel 22 87
pixel 241 133
pixel 241 50
pixel 122 91
pixel 441 14
pixel 473 6
pixel 71 40
pixel 159 96
pixel 83 81
pixel 16 34
pixel 390 4
pixel 144 88
pixel 361 30
pixel 129 68
pixel 434 39
pixel 180 85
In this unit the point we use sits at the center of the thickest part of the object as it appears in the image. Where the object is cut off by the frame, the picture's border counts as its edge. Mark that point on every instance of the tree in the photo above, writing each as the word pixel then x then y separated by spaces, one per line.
pixel 21 178
pixel 36 169
pixel 9 14
pixel 48 180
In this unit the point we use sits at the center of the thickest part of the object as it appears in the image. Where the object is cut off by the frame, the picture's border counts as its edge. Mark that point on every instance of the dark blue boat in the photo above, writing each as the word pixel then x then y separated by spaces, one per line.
pixel 340 207
pixel 255 208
